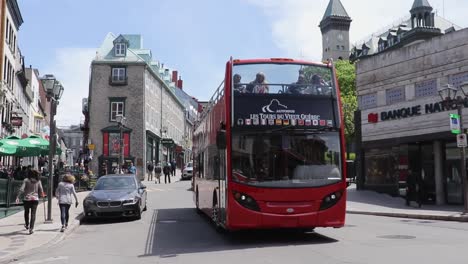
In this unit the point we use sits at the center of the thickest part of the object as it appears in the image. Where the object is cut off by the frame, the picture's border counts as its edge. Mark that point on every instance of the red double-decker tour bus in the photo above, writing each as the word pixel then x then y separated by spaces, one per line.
pixel 269 147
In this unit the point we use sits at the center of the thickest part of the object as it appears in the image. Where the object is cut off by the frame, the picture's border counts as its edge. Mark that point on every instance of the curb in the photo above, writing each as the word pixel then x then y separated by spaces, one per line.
pixel 414 216
pixel 53 241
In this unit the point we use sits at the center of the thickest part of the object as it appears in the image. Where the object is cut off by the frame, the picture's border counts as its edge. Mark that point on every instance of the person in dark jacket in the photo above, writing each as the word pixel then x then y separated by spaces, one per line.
pixel 150 168
pixel 167 172
pixel 413 188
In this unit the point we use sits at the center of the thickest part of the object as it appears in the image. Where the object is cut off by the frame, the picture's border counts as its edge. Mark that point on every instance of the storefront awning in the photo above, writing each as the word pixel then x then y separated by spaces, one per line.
pixel 38 116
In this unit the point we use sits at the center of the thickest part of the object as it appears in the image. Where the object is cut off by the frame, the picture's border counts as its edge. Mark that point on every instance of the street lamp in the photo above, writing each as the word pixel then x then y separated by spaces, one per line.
pixel 448 93
pixel 54 91
pixel 121 120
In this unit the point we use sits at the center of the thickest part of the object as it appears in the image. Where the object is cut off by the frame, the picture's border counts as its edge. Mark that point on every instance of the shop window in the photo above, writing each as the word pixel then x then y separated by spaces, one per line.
pixel 425 88
pixel 395 95
pixel 367 101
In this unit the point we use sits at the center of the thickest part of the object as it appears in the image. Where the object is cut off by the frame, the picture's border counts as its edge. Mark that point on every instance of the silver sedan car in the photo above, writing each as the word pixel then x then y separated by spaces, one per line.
pixel 119 195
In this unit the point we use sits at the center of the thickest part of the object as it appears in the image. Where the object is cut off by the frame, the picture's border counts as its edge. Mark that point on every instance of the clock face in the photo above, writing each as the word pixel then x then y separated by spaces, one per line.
pixel 340 37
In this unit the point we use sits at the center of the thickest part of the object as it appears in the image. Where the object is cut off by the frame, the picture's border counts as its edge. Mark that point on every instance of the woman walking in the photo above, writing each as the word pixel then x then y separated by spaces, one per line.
pixel 64 193
pixel 31 188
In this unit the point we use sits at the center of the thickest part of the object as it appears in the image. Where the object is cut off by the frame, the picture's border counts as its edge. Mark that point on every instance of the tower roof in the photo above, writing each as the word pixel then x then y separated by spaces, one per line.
pixel 336 8
pixel 421 3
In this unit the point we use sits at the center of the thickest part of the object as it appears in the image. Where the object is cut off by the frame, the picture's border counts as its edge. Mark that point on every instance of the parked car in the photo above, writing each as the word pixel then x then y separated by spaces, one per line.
pixel 187 172
pixel 118 195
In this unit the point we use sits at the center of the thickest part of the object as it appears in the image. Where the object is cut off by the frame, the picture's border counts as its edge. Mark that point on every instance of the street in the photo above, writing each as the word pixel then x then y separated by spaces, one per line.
pixel 172 232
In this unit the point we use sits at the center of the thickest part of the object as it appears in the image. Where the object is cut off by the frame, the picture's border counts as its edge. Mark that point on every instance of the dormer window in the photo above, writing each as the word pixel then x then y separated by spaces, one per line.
pixel 120 49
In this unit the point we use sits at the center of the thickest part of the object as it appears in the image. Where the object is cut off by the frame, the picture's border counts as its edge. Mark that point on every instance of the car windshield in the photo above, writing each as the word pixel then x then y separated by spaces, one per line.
pixel 115 183
pixel 286 158
pixel 189 165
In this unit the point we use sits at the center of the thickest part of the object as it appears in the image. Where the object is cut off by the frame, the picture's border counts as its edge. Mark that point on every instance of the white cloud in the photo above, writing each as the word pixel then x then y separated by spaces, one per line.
pixel 295 22
pixel 71 67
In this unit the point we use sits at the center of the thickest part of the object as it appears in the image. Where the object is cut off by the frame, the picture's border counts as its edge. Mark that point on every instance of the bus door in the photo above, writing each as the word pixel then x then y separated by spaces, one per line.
pixel 222 185
pixel 221 166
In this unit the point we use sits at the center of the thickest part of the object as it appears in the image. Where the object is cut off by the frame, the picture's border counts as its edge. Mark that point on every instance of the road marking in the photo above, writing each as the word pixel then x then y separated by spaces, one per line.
pixel 45 260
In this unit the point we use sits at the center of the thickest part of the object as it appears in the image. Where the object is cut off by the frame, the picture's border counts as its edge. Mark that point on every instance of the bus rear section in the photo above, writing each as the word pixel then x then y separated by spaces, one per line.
pixel 283 164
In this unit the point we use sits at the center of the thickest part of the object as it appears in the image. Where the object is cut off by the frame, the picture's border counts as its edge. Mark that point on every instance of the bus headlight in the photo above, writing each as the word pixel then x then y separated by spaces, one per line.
pixel 246 201
pixel 331 199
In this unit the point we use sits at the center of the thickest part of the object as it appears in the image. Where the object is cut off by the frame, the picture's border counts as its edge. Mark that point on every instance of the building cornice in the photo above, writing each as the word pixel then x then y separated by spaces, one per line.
pixel 15 13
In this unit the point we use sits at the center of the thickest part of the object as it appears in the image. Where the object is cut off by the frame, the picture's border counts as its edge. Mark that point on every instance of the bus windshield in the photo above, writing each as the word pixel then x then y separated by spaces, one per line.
pixel 270 78
pixel 286 158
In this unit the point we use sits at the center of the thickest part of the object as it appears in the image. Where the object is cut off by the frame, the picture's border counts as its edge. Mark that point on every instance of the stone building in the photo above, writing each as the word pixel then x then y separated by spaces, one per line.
pixel 125 80
pixel 402 124
pixel 73 137
pixel 335 26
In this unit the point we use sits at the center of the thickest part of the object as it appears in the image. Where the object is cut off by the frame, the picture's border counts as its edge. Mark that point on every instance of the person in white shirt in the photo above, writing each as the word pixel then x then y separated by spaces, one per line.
pixel 64 193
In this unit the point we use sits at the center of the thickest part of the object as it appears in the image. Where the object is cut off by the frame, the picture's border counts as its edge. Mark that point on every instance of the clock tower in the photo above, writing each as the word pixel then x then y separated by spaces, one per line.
pixel 335 26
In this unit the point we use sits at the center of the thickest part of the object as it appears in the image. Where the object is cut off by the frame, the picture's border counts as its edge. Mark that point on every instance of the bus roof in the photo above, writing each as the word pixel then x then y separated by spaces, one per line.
pixel 278 60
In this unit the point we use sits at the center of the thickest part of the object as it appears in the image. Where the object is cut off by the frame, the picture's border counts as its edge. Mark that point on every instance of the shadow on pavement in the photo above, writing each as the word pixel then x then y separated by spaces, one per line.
pixel 182 230
pixel 396 202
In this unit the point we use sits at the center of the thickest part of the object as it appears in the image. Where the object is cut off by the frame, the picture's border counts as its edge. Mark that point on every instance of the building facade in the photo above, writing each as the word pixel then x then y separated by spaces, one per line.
pixel 73 138
pixel 335 26
pixel 402 124
pixel 126 81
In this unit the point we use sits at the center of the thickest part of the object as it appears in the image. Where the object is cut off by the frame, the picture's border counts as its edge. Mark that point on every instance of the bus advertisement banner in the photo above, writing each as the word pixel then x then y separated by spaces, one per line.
pixel 254 110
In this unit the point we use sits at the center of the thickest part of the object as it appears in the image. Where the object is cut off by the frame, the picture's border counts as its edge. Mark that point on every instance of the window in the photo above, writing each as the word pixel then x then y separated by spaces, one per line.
pixel 119 74
pixel 425 88
pixel 395 95
pixel 117 108
pixel 367 101
pixel 457 79
pixel 120 49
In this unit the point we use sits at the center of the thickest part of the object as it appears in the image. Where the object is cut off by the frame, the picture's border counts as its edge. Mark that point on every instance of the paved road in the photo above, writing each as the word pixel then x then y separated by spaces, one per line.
pixel 171 232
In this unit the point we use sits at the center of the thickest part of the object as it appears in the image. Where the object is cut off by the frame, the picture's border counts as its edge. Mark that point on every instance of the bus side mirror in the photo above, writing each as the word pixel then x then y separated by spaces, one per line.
pixel 221 139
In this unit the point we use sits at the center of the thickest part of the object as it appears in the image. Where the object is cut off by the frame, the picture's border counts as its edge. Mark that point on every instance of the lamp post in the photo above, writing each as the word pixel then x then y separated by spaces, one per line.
pixel 54 91
pixel 121 120
pixel 448 93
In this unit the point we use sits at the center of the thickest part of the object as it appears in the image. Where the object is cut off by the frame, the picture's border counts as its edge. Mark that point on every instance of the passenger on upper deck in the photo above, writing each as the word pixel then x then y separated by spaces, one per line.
pixel 238 88
pixel 259 85
pixel 319 85
pixel 299 86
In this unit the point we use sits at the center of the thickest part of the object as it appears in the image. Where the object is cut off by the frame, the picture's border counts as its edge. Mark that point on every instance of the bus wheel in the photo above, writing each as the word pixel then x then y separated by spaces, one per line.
pixel 197 203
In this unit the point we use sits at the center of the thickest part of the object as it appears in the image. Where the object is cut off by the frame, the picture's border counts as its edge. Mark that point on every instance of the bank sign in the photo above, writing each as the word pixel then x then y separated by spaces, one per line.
pixel 256 110
pixel 411 111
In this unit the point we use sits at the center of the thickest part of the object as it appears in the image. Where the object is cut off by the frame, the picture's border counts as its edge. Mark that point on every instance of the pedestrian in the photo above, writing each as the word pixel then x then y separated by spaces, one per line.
pixel 150 168
pixel 30 189
pixel 157 172
pixel 64 193
pixel 173 167
pixel 132 169
pixel 167 172
pixel 413 192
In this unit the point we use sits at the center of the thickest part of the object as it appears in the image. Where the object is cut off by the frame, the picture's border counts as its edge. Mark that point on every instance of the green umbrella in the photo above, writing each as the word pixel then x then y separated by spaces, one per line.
pixel 36 141
pixel 9 145
pixel 12 145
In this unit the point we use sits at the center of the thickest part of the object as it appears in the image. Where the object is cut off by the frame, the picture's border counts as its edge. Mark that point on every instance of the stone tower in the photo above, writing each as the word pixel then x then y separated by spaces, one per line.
pixel 335 26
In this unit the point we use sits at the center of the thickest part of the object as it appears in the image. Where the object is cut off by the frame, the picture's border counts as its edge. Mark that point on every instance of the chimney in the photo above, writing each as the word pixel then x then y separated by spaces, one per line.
pixel 174 76
pixel 180 83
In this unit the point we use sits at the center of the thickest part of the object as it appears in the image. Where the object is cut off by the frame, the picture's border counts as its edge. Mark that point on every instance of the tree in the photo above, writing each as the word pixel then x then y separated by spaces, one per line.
pixel 346 75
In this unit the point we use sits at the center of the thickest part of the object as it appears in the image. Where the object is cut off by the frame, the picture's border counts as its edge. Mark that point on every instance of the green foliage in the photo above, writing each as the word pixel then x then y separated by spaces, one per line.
pixel 346 75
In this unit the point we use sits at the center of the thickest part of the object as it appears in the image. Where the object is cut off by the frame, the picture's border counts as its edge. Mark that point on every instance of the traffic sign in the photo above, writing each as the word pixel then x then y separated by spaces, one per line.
pixel 461 140
pixel 91 146
pixel 455 123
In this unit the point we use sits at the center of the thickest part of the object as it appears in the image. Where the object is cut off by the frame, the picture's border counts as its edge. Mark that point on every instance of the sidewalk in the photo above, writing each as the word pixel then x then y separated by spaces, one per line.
pixel 16 241
pixel 373 203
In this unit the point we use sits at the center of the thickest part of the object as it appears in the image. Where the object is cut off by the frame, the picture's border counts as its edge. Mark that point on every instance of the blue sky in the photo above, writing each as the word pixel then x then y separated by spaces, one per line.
pixel 194 37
